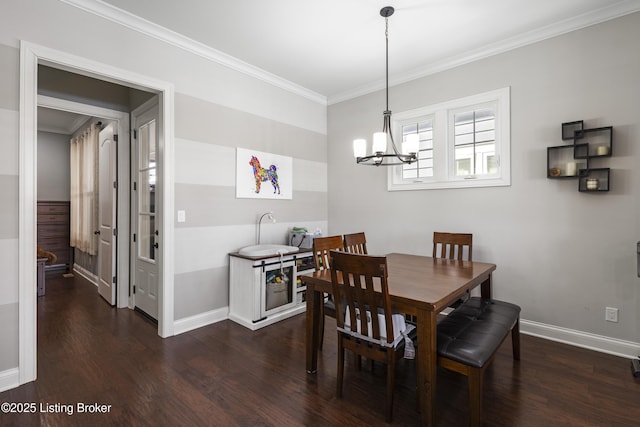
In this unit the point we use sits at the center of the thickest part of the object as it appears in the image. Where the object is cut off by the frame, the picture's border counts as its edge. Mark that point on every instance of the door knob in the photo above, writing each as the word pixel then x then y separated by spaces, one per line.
pixel 155 245
pixel 96 232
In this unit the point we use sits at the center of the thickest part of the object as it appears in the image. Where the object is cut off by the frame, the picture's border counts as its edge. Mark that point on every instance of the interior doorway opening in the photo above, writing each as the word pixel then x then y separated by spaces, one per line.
pixel 32 56
pixel 64 118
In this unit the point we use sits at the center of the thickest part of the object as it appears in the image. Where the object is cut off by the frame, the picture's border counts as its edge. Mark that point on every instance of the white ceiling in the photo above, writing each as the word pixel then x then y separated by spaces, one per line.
pixel 335 48
pixel 56 121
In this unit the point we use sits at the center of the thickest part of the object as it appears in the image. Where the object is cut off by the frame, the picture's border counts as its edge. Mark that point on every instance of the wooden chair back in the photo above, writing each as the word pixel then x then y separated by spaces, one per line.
pixel 355 243
pixel 453 246
pixel 360 284
pixel 321 248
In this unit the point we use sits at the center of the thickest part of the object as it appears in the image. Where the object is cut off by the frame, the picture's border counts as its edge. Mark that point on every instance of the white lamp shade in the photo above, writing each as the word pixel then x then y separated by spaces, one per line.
pixel 411 144
pixel 379 142
pixel 359 148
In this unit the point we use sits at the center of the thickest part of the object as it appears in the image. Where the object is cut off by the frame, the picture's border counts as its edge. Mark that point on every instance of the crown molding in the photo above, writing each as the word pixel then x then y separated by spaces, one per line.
pixel 158 32
pixel 607 13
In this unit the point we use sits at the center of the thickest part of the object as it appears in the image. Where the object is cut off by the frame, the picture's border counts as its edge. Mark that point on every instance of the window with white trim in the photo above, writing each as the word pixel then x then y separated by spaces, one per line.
pixel 463 143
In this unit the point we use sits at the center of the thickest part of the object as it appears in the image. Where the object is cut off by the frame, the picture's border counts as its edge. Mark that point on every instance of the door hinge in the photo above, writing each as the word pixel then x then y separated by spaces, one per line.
pixel 115 280
pixel 115 232
pixel 135 134
pixel 134 237
pixel 115 185
pixel 134 289
pixel 115 137
pixel 135 186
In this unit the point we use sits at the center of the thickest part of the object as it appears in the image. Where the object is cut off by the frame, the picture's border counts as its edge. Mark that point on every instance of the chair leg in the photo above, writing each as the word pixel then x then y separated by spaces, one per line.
pixel 475 396
pixel 321 334
pixel 515 340
pixel 340 367
pixel 391 377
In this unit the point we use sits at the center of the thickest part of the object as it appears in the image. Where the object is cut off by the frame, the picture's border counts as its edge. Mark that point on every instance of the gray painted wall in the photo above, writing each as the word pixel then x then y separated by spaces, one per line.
pixel 216 222
pixel 53 167
pixel 562 255
pixel 9 100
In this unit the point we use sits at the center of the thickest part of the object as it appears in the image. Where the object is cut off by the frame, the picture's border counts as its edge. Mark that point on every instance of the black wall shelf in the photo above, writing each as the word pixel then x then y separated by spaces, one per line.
pixel 574 160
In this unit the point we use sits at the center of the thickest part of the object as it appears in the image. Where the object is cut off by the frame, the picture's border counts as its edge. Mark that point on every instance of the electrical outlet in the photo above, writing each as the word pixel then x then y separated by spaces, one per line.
pixel 611 314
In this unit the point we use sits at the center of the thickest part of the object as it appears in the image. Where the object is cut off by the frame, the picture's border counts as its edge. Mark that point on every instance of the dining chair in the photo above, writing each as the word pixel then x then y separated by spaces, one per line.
pixel 361 293
pixel 355 243
pixel 453 245
pixel 321 248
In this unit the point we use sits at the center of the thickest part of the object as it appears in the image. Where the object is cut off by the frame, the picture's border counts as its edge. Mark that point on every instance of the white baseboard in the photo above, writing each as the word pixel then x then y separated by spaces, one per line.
pixel 200 320
pixel 81 271
pixel 270 320
pixel 599 343
pixel 9 379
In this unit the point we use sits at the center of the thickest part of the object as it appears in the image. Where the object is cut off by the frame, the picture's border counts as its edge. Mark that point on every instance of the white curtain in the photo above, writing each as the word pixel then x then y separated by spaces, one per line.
pixel 84 190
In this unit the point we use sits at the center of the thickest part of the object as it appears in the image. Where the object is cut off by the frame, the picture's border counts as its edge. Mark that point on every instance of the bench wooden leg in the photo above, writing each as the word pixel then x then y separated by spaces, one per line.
pixel 475 396
pixel 515 340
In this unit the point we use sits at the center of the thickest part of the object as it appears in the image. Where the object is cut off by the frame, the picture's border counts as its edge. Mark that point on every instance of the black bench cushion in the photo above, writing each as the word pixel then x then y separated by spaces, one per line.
pixel 473 332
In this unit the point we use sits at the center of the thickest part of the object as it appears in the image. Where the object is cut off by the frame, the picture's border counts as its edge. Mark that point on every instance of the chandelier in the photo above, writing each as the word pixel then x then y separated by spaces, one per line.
pixel 379 155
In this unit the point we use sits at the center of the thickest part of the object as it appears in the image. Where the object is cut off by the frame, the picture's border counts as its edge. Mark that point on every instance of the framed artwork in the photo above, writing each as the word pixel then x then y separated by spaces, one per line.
pixel 262 175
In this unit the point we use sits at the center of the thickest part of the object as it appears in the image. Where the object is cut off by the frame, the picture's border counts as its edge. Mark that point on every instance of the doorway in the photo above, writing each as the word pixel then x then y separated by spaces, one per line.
pixel 31 56
pixel 108 272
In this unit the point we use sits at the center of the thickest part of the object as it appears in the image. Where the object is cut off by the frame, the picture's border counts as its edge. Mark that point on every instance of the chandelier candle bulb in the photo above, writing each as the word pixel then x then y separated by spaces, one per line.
pixel 379 143
pixel 359 148
pixel 412 144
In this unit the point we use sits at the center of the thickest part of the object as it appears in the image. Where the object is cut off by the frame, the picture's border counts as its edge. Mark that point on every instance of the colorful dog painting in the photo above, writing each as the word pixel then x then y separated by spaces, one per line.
pixel 263 174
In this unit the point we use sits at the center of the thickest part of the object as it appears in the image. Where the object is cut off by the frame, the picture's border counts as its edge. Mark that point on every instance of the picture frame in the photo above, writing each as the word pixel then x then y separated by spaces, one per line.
pixel 261 175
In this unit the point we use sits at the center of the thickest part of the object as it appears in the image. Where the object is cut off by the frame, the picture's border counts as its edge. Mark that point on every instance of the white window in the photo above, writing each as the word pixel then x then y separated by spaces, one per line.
pixel 463 143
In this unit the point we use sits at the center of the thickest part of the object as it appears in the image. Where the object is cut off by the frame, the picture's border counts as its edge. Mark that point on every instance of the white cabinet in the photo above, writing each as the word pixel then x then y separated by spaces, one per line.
pixel 264 290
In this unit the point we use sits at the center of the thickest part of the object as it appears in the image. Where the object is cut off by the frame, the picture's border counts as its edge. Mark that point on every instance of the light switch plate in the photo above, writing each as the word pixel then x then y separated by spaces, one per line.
pixel 182 216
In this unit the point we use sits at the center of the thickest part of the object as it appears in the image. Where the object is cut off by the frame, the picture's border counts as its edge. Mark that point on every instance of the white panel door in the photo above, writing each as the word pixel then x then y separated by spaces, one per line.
pixel 145 242
pixel 107 204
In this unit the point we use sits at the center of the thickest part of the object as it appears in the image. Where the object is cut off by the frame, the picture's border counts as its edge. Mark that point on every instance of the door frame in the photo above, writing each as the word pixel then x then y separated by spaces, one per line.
pixel 31 55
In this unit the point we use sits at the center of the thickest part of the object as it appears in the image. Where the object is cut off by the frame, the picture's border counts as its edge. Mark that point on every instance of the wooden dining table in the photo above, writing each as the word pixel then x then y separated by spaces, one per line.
pixel 420 286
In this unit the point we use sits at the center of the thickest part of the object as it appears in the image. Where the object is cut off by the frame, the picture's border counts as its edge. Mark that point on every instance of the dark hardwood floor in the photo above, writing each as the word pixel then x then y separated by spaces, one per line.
pixel 226 375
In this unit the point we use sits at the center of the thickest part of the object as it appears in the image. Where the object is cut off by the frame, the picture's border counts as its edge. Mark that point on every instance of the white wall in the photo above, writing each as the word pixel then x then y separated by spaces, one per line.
pixel 562 255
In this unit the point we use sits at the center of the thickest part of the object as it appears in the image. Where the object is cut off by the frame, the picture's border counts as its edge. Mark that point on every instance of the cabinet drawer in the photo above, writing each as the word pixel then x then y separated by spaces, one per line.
pixel 53 218
pixel 49 242
pixel 53 208
pixel 53 231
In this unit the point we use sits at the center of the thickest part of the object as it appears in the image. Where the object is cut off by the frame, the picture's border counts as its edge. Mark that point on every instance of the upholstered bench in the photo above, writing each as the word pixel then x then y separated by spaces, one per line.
pixel 468 339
